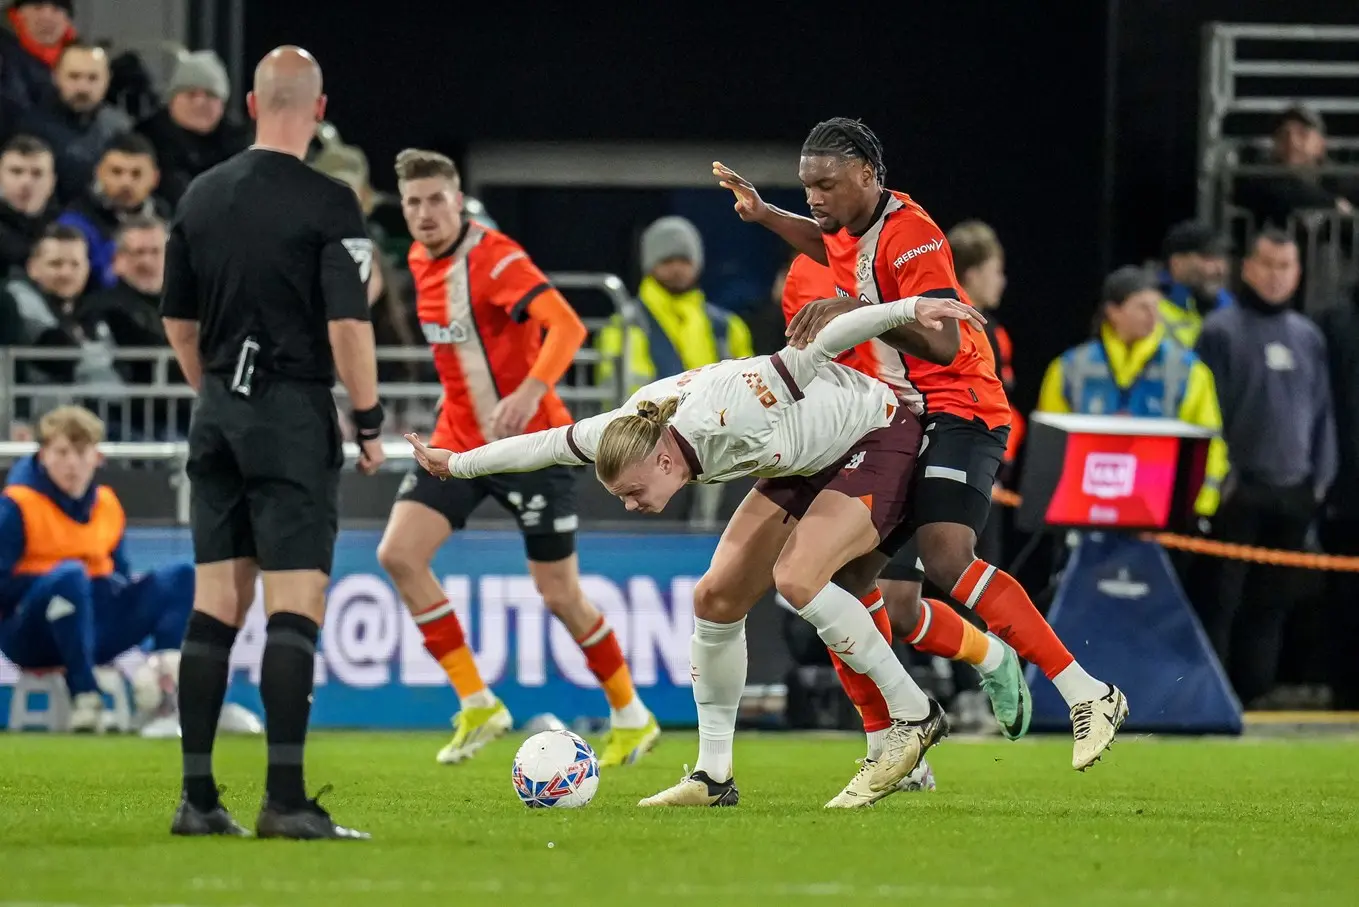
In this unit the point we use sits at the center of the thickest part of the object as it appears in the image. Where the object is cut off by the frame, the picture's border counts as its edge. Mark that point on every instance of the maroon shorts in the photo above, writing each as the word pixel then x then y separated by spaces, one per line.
pixel 877 470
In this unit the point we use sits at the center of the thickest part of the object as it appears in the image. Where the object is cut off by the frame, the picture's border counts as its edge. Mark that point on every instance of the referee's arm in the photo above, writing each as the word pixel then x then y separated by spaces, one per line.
pixel 179 308
pixel 346 266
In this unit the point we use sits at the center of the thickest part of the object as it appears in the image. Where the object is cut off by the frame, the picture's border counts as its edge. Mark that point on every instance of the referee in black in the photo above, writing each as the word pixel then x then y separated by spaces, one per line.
pixel 264 303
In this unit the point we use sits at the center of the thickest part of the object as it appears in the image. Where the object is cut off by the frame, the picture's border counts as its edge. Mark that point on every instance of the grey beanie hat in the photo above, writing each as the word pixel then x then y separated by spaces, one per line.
pixel 671 237
pixel 201 69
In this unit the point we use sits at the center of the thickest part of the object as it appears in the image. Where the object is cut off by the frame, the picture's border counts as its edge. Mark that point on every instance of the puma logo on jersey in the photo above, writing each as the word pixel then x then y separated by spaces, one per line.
pixel 722 417
pixel 762 391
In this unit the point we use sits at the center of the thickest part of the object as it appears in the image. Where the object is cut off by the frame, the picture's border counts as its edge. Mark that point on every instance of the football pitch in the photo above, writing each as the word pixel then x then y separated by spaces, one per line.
pixel 1259 821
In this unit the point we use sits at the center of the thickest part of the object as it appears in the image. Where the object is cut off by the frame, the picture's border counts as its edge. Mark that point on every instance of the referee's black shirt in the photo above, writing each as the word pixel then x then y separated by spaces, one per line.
pixel 262 245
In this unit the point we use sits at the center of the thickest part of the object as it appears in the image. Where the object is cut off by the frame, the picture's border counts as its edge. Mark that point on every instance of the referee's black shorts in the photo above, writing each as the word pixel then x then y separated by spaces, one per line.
pixel 954 474
pixel 264 475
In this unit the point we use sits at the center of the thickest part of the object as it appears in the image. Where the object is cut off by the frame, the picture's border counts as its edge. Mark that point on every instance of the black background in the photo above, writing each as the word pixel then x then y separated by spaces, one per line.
pixel 1069 127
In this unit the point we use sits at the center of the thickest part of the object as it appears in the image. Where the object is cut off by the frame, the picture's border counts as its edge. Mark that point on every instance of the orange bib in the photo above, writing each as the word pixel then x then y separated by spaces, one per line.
pixel 50 536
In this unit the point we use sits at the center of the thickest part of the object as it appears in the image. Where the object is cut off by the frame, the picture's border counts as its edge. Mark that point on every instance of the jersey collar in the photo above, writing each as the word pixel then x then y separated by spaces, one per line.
pixel 456 244
pixel 687 451
pixel 878 212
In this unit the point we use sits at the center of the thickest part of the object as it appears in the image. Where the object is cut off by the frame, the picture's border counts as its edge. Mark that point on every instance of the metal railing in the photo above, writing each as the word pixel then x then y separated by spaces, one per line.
pixel 1237 86
pixel 159 409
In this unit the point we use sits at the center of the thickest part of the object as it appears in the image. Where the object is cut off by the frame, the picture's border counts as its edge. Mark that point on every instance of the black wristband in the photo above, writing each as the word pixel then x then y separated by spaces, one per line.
pixel 368 423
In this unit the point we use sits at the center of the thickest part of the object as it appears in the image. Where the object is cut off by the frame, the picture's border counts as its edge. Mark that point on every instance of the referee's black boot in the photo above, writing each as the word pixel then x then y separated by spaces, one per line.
pixel 192 822
pixel 308 822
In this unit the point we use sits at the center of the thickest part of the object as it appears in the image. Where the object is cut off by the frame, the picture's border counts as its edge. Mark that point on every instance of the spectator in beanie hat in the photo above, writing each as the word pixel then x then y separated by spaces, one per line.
pixel 191 132
pixel 31 40
pixel 679 329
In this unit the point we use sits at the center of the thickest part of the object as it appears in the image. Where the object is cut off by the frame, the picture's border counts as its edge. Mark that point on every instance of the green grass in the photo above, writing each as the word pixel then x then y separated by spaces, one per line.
pixel 83 822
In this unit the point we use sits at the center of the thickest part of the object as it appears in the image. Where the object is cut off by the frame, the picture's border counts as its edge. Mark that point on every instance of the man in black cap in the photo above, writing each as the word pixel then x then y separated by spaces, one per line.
pixel 1193 283
pixel 1299 148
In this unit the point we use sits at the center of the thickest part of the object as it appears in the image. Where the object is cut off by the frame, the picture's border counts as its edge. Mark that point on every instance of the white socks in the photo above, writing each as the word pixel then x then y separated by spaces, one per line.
pixel 717 654
pixel 848 631
pixel 631 716
pixel 995 655
pixel 481 699
pixel 875 741
pixel 1077 686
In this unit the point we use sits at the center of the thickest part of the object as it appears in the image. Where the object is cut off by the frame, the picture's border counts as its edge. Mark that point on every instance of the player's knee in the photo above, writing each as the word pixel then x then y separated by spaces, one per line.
pixel 947 552
pixel 945 571
pixel 903 607
pixel 563 599
pixel 797 580
pixel 399 559
pixel 713 603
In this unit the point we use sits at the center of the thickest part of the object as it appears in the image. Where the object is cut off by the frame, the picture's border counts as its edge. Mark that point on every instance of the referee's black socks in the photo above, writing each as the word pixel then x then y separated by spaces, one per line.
pixel 286 676
pixel 204 666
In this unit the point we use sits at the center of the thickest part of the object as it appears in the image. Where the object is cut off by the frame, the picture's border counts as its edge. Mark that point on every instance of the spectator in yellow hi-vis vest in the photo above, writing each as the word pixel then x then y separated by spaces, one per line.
pixel 677 329
pixel 1134 368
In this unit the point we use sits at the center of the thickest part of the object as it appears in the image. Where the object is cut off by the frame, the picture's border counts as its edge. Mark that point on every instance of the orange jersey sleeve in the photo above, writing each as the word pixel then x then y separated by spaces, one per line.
pixel 809 281
pixel 564 334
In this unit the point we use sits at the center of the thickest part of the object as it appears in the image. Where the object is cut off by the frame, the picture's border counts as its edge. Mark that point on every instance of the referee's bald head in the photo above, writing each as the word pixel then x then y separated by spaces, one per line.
pixel 287 80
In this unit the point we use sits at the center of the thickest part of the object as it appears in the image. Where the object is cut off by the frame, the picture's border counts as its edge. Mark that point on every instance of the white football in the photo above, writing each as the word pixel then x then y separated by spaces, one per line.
pixel 555 769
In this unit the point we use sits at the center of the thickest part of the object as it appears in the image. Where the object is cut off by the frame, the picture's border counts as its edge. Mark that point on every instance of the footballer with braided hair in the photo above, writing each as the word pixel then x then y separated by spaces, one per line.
pixel 882 246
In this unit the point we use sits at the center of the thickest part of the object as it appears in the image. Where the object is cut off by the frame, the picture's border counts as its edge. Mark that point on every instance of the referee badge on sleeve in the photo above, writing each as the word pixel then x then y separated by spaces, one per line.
pixel 361 250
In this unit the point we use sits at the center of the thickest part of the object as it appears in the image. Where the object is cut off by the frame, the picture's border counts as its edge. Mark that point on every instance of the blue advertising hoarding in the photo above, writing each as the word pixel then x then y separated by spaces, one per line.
pixel 372 670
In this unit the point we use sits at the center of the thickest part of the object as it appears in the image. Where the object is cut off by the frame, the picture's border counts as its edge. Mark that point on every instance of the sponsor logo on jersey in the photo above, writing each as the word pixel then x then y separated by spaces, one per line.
pixel 932 246
pixel 441 333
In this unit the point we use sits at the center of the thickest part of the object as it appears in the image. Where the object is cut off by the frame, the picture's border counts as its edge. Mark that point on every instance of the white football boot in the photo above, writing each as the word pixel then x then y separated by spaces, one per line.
pixel 857 792
pixel 696 789
pixel 1094 724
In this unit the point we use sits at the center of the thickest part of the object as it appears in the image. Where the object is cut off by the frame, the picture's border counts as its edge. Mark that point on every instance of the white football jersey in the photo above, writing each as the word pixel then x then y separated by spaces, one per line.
pixel 793 413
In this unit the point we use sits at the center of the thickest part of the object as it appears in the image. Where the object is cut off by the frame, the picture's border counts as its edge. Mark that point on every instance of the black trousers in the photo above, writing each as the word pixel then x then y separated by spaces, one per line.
pixel 1341 536
pixel 1245 619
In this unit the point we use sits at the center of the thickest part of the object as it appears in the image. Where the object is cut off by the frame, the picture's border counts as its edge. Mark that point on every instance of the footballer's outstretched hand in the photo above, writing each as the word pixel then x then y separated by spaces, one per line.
pixel 749 205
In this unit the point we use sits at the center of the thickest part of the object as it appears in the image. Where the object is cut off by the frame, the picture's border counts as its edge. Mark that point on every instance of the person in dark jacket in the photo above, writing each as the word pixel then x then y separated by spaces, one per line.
pixel 1269 363
pixel 1340 526
pixel 75 121
pixel 191 132
pixel 31 40
pixel 1299 148
pixel 27 178
pixel 123 184
pixel 130 309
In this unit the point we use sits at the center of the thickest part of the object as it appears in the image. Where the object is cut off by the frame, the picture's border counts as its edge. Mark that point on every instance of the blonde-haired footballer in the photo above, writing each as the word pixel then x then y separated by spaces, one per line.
pixel 793 414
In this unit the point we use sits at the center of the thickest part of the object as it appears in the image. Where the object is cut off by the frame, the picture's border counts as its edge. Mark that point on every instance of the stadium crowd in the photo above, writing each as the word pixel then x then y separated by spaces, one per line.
pixel 93 160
